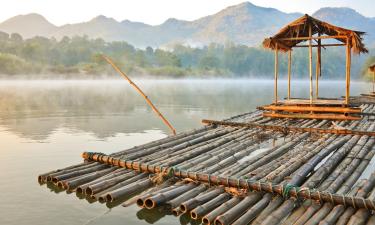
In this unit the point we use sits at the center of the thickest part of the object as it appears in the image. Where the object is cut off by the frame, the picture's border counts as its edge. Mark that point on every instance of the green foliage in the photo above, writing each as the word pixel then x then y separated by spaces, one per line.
pixel 81 55
pixel 11 64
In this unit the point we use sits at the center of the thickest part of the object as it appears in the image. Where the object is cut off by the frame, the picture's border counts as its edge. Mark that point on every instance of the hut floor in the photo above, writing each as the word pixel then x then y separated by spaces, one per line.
pixel 341 164
pixel 316 102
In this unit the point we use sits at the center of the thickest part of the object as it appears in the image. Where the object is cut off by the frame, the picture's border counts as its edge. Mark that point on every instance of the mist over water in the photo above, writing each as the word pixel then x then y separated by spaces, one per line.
pixel 45 125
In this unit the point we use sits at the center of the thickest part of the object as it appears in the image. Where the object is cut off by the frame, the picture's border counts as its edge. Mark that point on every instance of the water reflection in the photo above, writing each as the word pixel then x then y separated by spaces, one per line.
pixel 104 108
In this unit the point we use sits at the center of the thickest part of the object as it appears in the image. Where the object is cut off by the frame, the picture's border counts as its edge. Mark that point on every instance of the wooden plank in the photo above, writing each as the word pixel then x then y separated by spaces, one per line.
pixel 284 129
pixel 292 108
pixel 316 102
pixel 311 116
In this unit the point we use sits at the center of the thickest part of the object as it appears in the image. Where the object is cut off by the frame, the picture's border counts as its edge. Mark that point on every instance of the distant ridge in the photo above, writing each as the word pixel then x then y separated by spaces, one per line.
pixel 244 23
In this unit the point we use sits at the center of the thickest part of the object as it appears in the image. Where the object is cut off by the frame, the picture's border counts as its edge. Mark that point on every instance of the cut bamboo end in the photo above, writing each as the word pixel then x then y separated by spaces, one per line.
pixel 102 199
pixel 206 221
pixel 149 204
pixel 88 191
pixel 109 198
pixel 79 190
pixel 193 215
pixel 140 202
pixel 176 211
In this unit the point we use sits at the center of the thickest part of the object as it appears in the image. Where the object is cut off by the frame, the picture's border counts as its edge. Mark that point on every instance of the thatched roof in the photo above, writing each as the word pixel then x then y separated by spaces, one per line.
pixel 372 68
pixel 300 28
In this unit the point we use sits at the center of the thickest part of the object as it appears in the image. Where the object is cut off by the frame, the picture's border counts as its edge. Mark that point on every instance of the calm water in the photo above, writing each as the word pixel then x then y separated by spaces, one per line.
pixel 45 125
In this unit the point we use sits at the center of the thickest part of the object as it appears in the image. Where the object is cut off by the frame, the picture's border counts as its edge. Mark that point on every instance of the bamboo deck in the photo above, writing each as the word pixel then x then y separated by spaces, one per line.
pixel 337 163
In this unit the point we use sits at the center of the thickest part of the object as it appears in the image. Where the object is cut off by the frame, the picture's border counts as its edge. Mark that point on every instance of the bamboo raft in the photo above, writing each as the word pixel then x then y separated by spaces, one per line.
pixel 243 170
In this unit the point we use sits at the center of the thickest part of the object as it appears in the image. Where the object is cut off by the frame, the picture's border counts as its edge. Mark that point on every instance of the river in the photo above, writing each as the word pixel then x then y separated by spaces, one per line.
pixel 45 125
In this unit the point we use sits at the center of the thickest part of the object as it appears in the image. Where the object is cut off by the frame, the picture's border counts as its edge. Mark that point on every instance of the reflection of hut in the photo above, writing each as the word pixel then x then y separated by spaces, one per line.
pixel 312 30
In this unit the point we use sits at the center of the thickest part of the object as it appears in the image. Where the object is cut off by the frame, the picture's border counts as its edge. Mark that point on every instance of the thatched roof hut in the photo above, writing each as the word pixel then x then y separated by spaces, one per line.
pixel 308 29
pixel 290 36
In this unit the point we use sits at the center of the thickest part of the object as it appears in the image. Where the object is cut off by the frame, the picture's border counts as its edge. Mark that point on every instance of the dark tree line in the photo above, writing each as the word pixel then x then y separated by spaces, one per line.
pixel 81 56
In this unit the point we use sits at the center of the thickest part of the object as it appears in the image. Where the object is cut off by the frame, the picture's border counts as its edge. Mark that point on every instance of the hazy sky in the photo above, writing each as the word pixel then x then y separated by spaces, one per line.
pixel 157 11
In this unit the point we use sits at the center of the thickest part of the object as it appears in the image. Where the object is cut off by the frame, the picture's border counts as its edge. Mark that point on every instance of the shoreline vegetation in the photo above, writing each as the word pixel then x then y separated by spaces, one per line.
pixel 79 58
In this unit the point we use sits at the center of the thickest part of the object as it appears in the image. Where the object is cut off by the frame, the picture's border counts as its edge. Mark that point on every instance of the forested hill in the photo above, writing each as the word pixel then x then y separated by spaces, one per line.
pixel 79 57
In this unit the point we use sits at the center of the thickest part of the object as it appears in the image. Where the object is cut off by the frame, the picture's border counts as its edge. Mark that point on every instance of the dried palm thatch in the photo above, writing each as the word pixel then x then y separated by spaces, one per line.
pixel 300 28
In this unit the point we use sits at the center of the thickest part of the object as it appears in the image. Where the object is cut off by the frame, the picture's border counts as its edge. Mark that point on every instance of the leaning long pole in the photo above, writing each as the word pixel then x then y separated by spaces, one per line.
pixel 140 92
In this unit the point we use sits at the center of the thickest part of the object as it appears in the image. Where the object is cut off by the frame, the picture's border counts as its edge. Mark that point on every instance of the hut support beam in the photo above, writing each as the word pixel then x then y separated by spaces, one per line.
pixel 318 69
pixel 276 71
pixel 310 64
pixel 373 82
pixel 290 70
pixel 348 64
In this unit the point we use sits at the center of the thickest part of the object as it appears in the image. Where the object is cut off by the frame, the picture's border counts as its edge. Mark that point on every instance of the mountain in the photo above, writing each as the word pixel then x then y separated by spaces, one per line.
pixel 348 18
pixel 244 23
pixel 29 25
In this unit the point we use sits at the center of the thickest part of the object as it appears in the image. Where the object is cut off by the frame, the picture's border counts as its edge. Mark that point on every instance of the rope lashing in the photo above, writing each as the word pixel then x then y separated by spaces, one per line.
pixel 287 188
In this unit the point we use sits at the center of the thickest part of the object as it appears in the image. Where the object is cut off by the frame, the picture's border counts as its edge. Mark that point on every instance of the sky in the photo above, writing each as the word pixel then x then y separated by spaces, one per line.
pixel 155 12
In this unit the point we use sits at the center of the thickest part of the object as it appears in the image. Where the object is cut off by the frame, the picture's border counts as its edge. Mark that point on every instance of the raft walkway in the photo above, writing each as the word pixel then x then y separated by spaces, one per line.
pixel 291 162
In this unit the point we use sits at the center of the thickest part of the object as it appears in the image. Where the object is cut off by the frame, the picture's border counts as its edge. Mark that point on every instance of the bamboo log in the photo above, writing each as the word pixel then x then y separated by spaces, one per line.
pixel 102 196
pixel 71 184
pixel 207 207
pixel 200 199
pixel 247 217
pixel 232 182
pixel 127 190
pixel 161 198
pixel 186 196
pixel 232 214
pixel 285 129
pixel 149 192
pixel 209 218
pixel 271 207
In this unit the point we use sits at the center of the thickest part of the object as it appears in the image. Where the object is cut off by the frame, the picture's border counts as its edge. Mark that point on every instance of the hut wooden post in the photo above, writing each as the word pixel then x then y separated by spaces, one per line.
pixel 373 81
pixel 318 67
pixel 289 70
pixel 276 70
pixel 348 63
pixel 310 64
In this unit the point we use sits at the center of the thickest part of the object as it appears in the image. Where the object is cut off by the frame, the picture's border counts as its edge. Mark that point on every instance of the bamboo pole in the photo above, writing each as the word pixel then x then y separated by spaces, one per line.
pixel 348 63
pixel 290 128
pixel 313 38
pixel 295 192
pixel 276 71
pixel 140 92
pixel 289 70
pixel 315 46
pixel 310 64
pixel 318 69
